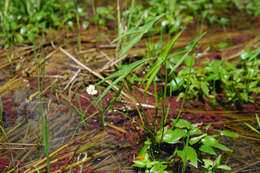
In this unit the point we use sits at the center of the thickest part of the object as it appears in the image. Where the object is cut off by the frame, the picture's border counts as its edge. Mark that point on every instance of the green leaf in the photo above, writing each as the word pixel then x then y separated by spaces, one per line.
pixel 257 120
pixel 190 155
pixel 181 123
pixel 142 29
pixel 130 44
pixel 207 149
pixel 120 75
pixel 245 54
pixel 204 87
pixel 196 139
pixel 173 136
pixel 189 61
pixel 252 128
pixel 222 45
pixel 85 25
pixel 211 141
pixel 188 49
pixel 176 83
pixel 137 37
pixel 139 164
pixel 224 167
pixel 228 133
pixel 19 38
pixel 207 163
pixel 158 64
pixel 256 53
pixel 217 161
pixel 195 131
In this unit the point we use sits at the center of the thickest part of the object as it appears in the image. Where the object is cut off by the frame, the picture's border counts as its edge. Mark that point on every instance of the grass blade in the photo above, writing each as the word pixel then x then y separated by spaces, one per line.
pixel 252 128
pixel 162 58
pixel 120 75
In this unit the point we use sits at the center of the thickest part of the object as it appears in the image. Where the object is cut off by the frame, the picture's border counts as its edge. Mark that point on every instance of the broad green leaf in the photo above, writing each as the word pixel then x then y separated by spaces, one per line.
pixel 204 87
pixel 176 83
pixel 139 164
pixel 221 147
pixel 181 123
pixel 224 167
pixel 211 141
pixel 143 153
pixel 189 61
pixel 207 149
pixel 207 163
pixel 191 156
pixel 173 136
pixel 217 161
pixel 195 131
pixel 159 167
pixel 196 139
pixel 228 133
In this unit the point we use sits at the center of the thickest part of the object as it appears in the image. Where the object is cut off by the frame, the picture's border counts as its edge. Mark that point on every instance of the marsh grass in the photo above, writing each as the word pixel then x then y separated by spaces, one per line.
pixel 42 114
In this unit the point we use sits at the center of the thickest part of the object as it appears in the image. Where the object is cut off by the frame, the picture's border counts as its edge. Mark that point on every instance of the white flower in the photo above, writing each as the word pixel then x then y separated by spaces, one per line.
pixel 164 23
pixel 80 10
pixel 91 90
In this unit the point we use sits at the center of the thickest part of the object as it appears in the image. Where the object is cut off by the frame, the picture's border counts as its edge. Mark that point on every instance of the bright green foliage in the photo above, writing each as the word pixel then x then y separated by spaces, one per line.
pixel 186 138
pixel 210 166
pixel 180 13
pixel 252 6
pixel 237 82
pixel 21 19
pixel 102 15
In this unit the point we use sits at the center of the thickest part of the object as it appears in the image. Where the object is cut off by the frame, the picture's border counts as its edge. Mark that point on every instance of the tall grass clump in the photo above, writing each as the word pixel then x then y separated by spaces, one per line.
pixel 42 114
pixel 186 140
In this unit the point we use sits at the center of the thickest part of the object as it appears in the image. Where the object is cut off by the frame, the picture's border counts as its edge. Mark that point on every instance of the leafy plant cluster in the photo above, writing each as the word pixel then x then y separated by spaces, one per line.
pixel 251 7
pixel 21 19
pixel 186 143
pixel 103 14
pixel 180 13
pixel 239 82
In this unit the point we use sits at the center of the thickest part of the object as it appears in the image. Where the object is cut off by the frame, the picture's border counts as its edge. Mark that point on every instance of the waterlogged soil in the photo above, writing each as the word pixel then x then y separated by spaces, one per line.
pixel 118 146
pixel 89 146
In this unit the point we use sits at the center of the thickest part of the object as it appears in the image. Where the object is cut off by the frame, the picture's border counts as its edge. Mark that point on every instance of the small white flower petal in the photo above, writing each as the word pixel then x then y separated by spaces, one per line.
pixel 91 90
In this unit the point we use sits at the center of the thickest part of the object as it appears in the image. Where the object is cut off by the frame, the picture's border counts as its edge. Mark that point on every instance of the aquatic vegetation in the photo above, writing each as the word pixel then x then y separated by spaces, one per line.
pixel 239 82
pixel 180 13
pixel 184 141
pixel 147 97
pixel 21 19
pixel 154 126
pixel 210 166
pixel 102 15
